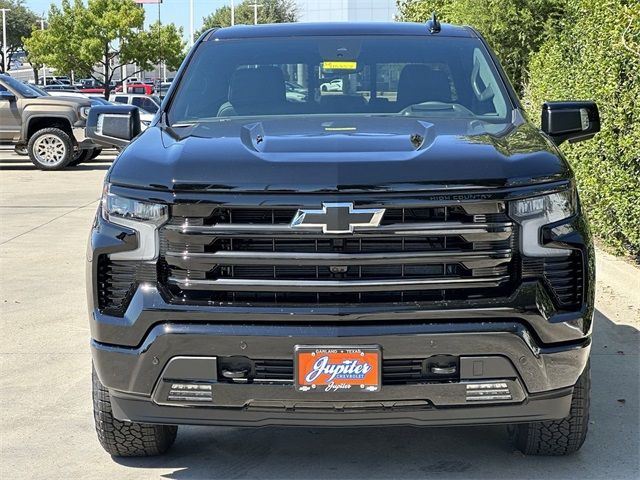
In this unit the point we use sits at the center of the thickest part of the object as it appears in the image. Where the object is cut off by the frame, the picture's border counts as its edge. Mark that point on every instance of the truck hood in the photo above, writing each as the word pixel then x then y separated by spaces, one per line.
pixel 338 154
pixel 71 102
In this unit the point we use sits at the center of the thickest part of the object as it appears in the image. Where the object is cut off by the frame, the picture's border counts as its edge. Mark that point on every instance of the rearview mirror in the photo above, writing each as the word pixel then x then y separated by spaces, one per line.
pixel 113 125
pixel 573 121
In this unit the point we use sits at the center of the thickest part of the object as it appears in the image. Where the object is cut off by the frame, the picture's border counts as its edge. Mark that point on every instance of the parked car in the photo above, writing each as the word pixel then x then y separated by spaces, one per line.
pixel 137 88
pixel 295 92
pixel 92 91
pixel 66 93
pixel 89 83
pixel 148 103
pixel 162 88
pixel 63 79
pixel 98 100
pixel 295 87
pixel 334 85
pixel 55 80
pixel 418 258
pixel 50 129
pixel 60 88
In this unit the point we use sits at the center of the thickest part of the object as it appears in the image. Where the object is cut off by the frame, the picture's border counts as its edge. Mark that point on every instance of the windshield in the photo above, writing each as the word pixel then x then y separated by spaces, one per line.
pixel 19 87
pixel 427 77
pixel 39 92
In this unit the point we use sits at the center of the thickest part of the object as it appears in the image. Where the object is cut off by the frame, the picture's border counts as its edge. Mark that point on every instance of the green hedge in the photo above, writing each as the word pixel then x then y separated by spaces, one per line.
pixel 595 54
pixel 514 28
pixel 570 50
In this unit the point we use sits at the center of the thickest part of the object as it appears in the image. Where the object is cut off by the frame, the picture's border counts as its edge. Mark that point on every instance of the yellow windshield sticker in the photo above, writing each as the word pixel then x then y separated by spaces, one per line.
pixel 339 65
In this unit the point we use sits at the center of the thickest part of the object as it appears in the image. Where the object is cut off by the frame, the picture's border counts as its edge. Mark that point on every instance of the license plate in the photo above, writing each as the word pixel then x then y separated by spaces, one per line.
pixel 337 369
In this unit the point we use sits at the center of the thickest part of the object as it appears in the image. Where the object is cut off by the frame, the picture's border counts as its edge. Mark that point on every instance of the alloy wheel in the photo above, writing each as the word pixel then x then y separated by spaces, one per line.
pixel 49 150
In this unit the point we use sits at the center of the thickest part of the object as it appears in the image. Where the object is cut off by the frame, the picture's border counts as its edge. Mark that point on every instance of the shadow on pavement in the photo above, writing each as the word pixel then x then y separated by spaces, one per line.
pixel 611 450
pixel 21 165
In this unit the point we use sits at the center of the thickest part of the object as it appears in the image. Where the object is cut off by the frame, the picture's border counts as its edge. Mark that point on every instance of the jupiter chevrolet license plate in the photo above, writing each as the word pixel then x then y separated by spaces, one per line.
pixel 338 369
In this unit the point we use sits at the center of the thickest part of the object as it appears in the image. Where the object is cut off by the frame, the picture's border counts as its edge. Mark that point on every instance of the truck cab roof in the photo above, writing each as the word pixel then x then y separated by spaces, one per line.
pixel 336 29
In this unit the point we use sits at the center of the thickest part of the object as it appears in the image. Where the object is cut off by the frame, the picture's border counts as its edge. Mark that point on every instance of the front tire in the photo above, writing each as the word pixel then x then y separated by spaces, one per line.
pixel 96 152
pixel 82 156
pixel 558 437
pixel 50 149
pixel 127 439
pixel 21 150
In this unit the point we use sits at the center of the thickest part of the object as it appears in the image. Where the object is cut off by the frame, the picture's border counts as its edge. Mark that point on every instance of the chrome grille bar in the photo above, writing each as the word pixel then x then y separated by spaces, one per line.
pixel 470 259
pixel 203 235
pixel 407 284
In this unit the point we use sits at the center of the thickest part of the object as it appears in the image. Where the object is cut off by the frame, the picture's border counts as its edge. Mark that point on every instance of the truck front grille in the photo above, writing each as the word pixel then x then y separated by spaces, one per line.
pixel 216 254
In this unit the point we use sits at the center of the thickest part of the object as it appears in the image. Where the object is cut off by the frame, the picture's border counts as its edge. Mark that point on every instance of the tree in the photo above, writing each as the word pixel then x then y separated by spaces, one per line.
pixel 595 54
pixel 167 41
pixel 515 29
pixel 20 22
pixel 99 38
pixel 270 11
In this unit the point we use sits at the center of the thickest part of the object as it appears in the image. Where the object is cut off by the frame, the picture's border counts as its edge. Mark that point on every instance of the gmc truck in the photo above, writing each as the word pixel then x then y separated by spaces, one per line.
pixel 407 249
pixel 51 130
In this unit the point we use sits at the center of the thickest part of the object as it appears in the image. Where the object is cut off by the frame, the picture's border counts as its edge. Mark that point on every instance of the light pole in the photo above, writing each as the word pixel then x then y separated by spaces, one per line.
pixel 233 14
pixel 190 23
pixel 255 12
pixel 44 68
pixel 4 38
pixel 160 67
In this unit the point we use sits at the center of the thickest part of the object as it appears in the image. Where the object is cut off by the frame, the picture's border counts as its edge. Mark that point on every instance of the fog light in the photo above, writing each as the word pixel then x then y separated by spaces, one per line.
pixel 488 392
pixel 190 392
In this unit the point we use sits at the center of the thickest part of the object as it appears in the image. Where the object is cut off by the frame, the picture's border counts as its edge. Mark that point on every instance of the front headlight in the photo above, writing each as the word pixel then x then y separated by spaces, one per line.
pixel 144 217
pixel 84 112
pixel 535 212
pixel 116 209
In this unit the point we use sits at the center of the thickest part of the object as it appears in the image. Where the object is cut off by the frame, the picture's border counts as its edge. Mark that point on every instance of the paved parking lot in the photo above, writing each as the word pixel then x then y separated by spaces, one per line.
pixel 46 425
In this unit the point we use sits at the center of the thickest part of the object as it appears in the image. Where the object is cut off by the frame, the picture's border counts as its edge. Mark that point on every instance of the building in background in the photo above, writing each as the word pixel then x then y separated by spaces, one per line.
pixel 346 10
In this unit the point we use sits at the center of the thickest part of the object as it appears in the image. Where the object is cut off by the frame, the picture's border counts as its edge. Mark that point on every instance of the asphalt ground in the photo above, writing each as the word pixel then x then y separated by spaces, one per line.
pixel 46 424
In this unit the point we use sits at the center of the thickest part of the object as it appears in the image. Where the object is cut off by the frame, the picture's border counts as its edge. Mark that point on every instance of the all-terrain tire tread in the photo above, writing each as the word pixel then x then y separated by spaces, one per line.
pixel 127 439
pixel 559 437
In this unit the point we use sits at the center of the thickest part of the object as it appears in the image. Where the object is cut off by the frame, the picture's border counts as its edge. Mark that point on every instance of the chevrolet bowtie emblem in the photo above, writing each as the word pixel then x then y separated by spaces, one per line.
pixel 337 218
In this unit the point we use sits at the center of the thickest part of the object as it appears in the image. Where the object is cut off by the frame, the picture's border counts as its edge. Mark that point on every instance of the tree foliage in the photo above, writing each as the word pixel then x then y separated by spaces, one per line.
pixel 564 50
pixel 514 28
pixel 271 11
pixel 595 54
pixel 98 38
pixel 20 22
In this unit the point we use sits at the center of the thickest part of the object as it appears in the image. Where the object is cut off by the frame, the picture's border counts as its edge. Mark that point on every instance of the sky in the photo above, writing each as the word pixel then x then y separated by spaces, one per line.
pixel 176 11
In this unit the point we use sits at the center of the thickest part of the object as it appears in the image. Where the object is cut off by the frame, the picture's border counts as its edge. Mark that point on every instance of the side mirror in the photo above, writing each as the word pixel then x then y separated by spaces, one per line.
pixel 573 121
pixel 113 125
pixel 7 95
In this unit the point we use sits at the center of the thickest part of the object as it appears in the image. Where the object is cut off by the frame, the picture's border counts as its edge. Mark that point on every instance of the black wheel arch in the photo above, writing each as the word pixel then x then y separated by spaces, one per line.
pixel 38 122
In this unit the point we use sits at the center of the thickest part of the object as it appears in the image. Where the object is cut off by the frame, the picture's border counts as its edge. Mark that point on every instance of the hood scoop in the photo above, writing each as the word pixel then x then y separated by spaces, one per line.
pixel 336 137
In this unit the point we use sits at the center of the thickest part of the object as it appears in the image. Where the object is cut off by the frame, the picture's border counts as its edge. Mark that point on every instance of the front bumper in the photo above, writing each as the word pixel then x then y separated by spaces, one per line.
pixel 551 406
pixel 538 380
pixel 522 341
pixel 81 139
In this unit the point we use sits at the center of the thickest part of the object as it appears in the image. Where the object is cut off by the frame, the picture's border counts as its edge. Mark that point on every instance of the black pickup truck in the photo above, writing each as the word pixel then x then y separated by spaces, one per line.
pixel 341 225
